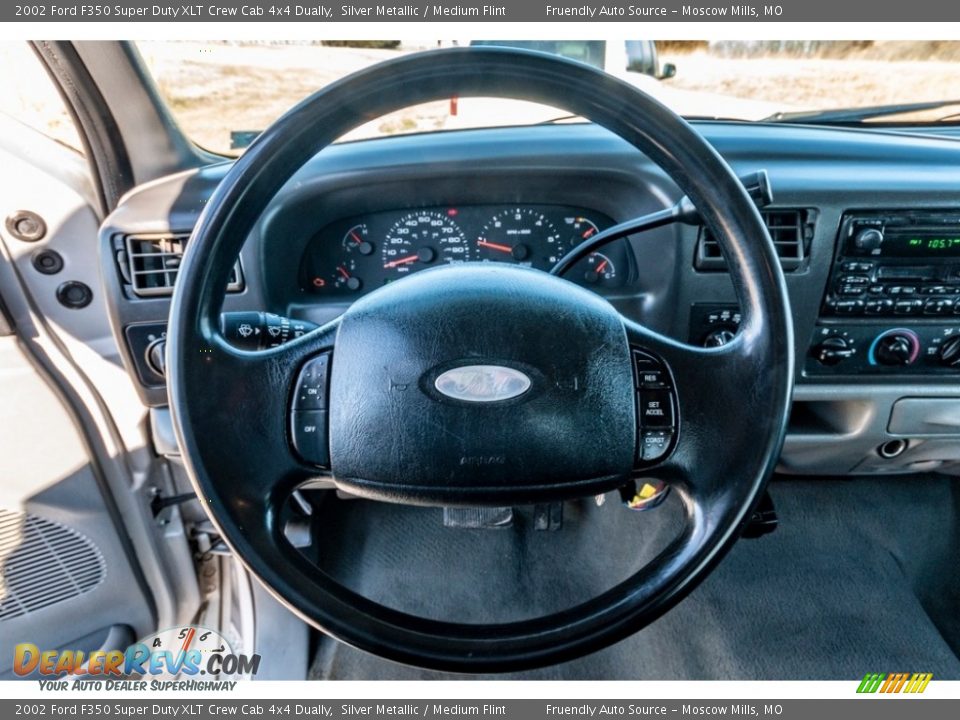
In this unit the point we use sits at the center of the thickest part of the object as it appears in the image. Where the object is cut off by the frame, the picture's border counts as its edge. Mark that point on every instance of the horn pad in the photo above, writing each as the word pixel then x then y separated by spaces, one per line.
pixel 481 384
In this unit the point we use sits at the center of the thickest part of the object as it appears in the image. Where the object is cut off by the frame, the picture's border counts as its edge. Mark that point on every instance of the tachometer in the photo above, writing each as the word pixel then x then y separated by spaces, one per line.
pixel 518 235
pixel 423 237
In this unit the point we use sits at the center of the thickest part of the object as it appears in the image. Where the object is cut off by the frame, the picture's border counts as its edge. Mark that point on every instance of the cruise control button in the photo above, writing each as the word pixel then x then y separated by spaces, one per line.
pixel 654 444
pixel 311 391
pixel 644 362
pixel 656 409
pixel 309 431
pixel 652 379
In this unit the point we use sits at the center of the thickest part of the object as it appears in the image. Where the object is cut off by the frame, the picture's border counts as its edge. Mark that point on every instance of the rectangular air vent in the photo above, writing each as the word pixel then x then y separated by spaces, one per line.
pixel 790 230
pixel 149 264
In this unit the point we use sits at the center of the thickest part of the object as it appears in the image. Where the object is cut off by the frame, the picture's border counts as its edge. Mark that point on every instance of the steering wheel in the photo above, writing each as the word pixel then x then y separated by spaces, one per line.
pixel 406 397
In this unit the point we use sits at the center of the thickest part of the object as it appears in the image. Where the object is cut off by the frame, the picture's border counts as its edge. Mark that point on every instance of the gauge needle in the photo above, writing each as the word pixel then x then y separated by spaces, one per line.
pixel 342 271
pixel 187 640
pixel 601 266
pixel 494 246
pixel 588 233
pixel 356 239
pixel 401 261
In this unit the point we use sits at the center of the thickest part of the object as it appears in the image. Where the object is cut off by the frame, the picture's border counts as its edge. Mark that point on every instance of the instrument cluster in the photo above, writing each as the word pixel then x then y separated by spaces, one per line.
pixel 358 254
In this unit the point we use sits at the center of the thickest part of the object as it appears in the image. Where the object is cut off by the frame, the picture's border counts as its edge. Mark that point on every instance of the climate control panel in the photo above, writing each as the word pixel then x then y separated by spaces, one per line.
pixel 884 349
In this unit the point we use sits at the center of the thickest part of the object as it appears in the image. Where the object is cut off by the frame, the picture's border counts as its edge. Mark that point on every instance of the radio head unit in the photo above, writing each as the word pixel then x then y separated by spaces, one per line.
pixel 896 263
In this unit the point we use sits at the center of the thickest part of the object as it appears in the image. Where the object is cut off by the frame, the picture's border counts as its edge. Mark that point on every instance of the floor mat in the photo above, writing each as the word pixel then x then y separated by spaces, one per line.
pixel 862 575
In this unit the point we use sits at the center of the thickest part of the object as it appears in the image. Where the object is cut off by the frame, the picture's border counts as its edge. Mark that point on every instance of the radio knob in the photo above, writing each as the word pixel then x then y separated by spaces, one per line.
pixel 896 349
pixel 868 240
pixel 950 352
pixel 832 350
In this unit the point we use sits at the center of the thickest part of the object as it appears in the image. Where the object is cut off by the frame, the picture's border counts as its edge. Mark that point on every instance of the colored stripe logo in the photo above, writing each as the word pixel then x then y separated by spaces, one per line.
pixel 894 683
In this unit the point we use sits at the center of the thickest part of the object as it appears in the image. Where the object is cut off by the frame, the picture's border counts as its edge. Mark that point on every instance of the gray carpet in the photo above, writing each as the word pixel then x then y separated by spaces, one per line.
pixel 862 575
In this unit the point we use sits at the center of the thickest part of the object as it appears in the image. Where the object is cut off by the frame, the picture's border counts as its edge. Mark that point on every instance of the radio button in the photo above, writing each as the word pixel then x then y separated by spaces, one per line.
pixel 938 307
pixel 907 307
pixel 876 289
pixel 852 290
pixel 857 267
pixel 868 240
pixel 878 307
pixel 848 307
pixel 936 290
pixel 903 290
pixel 855 280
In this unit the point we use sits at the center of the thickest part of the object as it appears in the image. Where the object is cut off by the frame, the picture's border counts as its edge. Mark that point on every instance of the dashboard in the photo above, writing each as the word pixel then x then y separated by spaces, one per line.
pixel 876 321
pixel 355 255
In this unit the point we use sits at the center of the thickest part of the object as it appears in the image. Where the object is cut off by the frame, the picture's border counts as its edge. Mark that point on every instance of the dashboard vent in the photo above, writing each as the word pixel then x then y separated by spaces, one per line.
pixel 790 230
pixel 149 264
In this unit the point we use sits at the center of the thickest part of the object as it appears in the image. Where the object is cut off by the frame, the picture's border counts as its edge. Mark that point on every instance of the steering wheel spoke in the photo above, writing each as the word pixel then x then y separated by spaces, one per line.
pixel 720 411
pixel 248 400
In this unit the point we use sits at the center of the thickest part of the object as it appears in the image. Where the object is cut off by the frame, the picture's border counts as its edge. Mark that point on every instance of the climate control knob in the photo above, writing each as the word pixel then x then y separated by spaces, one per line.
pixel 950 352
pixel 719 337
pixel 896 348
pixel 832 350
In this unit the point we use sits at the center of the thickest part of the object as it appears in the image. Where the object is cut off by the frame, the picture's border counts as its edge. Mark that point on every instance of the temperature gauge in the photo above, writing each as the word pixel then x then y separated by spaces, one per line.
pixel 355 240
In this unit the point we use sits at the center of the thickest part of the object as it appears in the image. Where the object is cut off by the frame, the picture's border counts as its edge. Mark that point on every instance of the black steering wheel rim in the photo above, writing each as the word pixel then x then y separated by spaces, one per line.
pixel 205 371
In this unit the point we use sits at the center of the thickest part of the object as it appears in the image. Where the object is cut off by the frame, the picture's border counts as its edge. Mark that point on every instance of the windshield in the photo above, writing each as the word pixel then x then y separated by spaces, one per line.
pixel 224 93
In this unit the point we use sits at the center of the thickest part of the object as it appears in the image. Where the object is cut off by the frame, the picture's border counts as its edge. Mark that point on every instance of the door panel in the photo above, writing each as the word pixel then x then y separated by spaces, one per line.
pixel 80 565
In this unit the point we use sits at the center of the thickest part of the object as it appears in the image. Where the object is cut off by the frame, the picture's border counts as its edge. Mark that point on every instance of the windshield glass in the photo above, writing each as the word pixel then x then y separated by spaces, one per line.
pixel 224 93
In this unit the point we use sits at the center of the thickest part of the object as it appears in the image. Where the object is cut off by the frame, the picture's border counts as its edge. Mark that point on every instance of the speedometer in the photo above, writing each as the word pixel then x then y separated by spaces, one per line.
pixel 423 237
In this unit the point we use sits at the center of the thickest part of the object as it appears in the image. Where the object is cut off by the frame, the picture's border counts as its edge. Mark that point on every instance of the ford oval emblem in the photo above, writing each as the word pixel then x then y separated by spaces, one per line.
pixel 482 383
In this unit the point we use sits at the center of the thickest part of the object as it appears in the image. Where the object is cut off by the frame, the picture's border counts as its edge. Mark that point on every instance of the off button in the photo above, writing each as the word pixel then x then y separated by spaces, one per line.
pixel 656 409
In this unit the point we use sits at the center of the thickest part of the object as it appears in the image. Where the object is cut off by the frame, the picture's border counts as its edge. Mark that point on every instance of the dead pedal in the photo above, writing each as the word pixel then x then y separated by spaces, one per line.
pixel 477 518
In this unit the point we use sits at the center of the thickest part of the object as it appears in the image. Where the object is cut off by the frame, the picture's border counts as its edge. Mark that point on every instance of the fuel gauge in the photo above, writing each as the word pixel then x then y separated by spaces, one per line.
pixel 344 278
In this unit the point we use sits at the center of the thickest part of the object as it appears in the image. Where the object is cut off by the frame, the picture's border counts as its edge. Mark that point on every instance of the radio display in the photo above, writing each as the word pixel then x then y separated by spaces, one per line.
pixel 921 244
